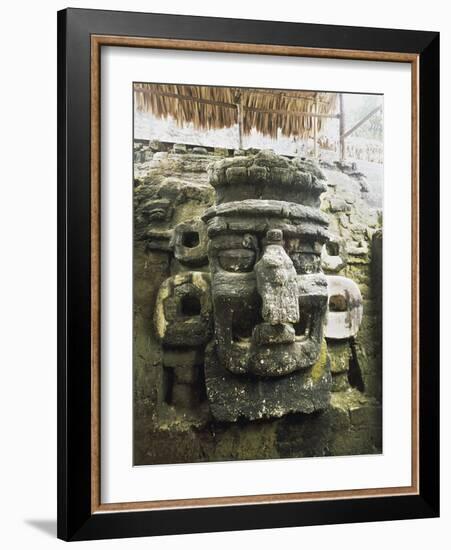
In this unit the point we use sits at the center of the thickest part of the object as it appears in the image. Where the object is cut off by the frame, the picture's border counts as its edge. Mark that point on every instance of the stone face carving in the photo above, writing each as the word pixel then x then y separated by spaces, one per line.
pixel 269 295
pixel 166 197
pixel 169 198
pixel 266 176
pixel 345 308
pixel 186 400
pixel 247 286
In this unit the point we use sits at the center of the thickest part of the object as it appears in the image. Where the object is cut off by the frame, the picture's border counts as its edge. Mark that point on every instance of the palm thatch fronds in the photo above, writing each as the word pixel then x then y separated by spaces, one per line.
pixel 210 107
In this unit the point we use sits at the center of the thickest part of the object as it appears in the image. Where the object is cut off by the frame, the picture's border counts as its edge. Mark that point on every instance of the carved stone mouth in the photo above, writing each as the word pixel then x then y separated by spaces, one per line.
pixel 247 331
pixel 272 360
pixel 281 359
pixel 244 323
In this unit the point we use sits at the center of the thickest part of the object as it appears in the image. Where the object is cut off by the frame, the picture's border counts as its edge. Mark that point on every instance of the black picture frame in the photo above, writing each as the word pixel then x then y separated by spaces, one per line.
pixel 76 520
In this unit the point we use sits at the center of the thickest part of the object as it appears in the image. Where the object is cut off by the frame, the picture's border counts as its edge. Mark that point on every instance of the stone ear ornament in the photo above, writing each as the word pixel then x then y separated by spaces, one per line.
pixel 345 308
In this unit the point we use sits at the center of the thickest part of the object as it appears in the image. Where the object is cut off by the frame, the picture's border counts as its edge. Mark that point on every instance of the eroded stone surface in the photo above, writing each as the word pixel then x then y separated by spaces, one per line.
pixel 345 308
pixel 183 310
pixel 189 242
pixel 266 175
pixel 233 397
pixel 334 255
pixel 173 417
pixel 264 256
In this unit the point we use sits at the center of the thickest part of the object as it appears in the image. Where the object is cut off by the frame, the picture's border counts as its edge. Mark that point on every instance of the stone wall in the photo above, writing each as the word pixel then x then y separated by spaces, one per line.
pixel 172 418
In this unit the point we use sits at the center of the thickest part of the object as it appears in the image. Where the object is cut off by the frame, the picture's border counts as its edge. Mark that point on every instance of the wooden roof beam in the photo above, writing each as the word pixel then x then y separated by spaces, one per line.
pixel 185 97
pixel 362 121
pixel 233 105
pixel 284 112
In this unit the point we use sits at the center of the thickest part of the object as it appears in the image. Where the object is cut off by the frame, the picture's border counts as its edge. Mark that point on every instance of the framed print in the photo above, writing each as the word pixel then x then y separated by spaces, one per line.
pixel 248 274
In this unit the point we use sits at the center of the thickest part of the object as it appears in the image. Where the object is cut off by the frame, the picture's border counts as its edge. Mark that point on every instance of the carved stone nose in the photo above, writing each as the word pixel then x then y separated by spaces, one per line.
pixel 276 282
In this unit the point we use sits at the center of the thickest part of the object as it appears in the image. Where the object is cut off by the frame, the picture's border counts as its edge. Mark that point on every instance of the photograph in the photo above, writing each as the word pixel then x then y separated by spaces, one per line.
pixel 248 273
pixel 257 273
pixel 236 280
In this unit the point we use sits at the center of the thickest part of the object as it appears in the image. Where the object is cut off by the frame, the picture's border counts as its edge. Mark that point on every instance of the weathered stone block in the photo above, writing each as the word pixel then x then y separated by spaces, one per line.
pixel 366 414
pixel 179 148
pixel 186 374
pixel 337 204
pixel 232 397
pixel 183 310
pixel 182 358
pixel 236 175
pixel 344 220
pixel 339 354
pixel 358 251
pixel 160 155
pixel 257 174
pixel 334 255
pixel 199 151
pixel 155 145
pixel 265 333
pixel 340 381
pixel 184 396
pixel 190 242
pixel 266 176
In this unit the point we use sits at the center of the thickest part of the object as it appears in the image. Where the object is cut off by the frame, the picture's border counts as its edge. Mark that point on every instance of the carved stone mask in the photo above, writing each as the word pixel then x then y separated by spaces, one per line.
pixel 165 204
pixel 269 296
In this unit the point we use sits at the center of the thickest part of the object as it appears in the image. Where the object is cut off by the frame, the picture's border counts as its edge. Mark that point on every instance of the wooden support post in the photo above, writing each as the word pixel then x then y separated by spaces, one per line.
pixel 239 117
pixel 315 128
pixel 240 125
pixel 342 128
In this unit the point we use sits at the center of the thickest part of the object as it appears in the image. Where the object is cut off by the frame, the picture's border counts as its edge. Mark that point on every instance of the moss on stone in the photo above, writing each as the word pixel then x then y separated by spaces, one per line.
pixel 320 368
pixel 352 424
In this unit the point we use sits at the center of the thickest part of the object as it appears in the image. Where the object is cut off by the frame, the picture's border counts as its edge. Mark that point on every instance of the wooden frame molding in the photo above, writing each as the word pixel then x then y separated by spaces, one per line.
pixel 81 36
pixel 97 41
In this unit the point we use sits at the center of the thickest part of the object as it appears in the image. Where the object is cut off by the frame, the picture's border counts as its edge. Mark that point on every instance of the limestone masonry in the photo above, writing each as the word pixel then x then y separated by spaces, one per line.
pixel 257 306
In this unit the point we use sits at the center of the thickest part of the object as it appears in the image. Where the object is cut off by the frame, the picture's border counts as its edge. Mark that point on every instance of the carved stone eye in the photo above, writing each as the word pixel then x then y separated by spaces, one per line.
pixel 157 210
pixel 190 305
pixel 332 248
pixel 237 260
pixel 305 263
pixel 157 214
pixel 190 239
pixel 190 242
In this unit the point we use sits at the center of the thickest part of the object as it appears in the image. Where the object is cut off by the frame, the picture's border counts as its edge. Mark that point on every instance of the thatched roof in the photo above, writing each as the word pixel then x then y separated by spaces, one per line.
pixel 210 107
